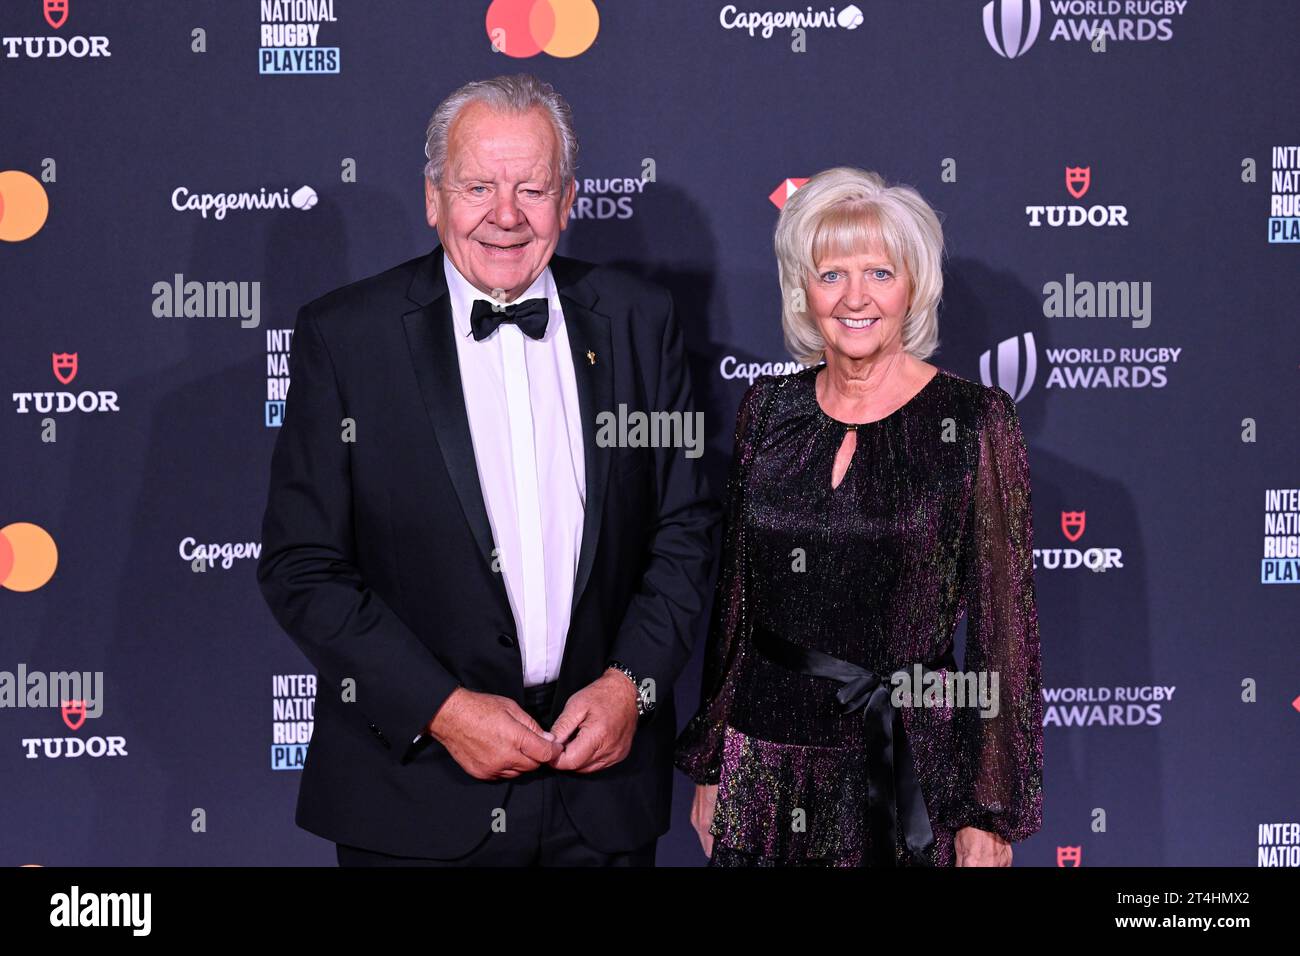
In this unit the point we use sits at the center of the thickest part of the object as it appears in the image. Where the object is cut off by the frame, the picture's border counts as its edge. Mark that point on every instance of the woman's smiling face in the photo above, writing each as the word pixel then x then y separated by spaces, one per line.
pixel 859 303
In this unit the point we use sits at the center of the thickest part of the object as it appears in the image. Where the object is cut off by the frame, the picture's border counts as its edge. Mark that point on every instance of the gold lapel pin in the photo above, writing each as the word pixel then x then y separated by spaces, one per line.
pixel 591 357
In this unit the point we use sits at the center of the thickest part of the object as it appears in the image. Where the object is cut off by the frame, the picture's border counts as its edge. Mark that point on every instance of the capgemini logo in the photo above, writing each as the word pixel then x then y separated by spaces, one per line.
pixel 1015 40
pixel 1008 377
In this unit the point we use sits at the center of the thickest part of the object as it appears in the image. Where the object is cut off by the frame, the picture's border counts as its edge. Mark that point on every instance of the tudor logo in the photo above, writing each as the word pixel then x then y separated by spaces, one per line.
pixel 1072 524
pixel 74 713
pixel 1077 180
pixel 1069 856
pixel 56 12
pixel 65 366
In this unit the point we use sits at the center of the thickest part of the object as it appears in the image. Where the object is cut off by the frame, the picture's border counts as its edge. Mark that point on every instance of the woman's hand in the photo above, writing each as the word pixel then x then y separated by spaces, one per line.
pixel 980 848
pixel 706 796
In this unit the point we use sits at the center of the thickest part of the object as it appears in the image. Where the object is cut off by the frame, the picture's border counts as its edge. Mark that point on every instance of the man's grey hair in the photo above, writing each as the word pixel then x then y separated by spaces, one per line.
pixel 514 93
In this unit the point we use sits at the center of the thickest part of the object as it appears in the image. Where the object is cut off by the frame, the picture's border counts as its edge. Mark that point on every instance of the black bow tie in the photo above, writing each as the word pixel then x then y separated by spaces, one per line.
pixel 531 316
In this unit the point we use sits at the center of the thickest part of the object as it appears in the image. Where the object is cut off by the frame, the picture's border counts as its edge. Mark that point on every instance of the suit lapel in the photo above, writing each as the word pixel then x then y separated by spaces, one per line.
pixel 430 335
pixel 593 370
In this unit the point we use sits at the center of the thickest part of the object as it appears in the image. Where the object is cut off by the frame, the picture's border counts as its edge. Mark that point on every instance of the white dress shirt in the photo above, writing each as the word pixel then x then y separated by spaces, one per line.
pixel 521 397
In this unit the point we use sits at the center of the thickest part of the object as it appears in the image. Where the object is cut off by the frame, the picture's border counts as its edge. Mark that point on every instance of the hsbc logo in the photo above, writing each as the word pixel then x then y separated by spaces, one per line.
pixel 782 193
pixel 1011 26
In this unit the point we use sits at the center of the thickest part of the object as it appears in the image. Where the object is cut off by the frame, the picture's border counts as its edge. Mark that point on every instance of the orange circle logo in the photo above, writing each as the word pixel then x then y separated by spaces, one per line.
pixel 524 28
pixel 23 205
pixel 28 556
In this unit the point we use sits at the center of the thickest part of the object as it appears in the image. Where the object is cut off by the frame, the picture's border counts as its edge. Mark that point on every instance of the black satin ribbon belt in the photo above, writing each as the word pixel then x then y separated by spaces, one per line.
pixel 893 790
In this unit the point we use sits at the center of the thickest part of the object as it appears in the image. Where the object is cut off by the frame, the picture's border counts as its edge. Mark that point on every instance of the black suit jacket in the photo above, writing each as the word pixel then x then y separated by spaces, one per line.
pixel 377 557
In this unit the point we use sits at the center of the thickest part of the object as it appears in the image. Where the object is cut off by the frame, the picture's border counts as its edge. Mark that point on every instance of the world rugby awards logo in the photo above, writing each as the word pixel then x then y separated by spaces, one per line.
pixel 1008 34
pixel 1011 374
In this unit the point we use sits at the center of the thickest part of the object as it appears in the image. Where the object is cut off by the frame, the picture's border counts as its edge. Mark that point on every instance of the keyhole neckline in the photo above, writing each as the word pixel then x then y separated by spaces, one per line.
pixel 848 467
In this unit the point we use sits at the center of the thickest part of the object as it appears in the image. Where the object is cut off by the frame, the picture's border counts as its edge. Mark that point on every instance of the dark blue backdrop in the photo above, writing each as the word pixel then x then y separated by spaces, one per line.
pixel 1173 476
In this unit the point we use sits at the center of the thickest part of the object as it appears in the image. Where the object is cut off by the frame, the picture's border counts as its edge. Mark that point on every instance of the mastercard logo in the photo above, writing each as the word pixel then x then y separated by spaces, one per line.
pixel 23 206
pixel 524 28
pixel 28 556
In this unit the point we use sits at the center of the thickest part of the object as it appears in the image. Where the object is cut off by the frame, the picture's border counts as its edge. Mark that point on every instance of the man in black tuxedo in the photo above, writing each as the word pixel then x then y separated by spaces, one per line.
pixel 496 604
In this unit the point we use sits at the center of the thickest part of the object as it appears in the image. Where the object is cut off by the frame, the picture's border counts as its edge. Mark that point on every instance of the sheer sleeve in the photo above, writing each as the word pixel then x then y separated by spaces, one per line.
pixel 699 748
pixel 1000 758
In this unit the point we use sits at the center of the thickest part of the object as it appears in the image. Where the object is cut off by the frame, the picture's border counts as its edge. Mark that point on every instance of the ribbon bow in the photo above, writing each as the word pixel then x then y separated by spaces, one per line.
pixel 531 316
pixel 893 789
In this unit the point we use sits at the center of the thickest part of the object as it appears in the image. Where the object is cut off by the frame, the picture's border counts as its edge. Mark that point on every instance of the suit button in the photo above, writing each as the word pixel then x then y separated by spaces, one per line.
pixel 505 640
pixel 376 731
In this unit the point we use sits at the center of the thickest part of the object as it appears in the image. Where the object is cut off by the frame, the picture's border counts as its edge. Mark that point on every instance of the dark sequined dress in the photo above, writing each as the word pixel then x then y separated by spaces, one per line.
pixel 931 520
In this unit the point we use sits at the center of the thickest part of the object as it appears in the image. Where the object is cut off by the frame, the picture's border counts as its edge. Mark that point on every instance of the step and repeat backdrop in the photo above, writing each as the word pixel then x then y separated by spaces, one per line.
pixel 1119 183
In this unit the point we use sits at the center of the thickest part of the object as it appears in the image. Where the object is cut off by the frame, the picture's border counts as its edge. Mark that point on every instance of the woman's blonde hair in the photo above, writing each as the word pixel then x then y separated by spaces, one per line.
pixel 845 211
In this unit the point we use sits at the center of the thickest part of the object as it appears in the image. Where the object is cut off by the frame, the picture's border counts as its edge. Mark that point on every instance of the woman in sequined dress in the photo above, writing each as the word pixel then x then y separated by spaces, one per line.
pixel 871 502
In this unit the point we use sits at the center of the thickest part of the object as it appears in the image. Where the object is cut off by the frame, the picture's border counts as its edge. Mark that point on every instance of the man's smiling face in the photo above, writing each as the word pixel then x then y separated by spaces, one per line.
pixel 500 207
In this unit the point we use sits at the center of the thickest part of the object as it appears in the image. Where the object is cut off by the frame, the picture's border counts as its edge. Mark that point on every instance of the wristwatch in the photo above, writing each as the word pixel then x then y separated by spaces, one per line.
pixel 645 702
